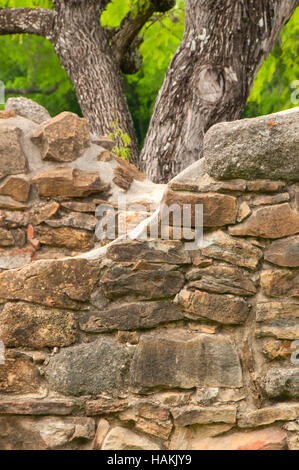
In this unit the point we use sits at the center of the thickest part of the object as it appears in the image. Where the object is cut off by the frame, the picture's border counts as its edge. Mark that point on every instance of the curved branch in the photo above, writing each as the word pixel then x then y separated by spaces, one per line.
pixel 27 20
pixel 31 91
pixel 125 44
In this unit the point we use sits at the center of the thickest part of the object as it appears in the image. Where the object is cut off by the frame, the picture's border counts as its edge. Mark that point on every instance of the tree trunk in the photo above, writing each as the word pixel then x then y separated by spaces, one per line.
pixel 210 77
pixel 84 52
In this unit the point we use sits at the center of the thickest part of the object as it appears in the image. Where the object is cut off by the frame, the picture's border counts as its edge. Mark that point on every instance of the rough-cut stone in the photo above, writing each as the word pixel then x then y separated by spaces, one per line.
pixel 226 309
pixel 222 280
pixel 89 369
pixel 284 252
pixel 12 157
pixel 75 220
pixel 13 219
pixel 6 114
pixel 130 169
pixel 18 374
pixel 7 203
pixel 282 383
pixel 49 406
pixel 130 316
pixel 265 186
pixel 269 222
pixel 154 251
pixel 280 283
pixel 42 212
pixel 122 178
pixel 16 187
pixel 66 237
pixel 219 245
pixel 149 418
pixel 54 283
pixel 79 206
pixel 286 328
pixel 66 181
pixel 189 437
pixel 270 438
pixel 28 325
pixel 276 309
pixel 63 138
pixel 218 209
pixel 186 361
pixel 120 280
pixel 6 238
pixel 275 349
pixel 103 141
pixel 243 212
pixel 204 415
pixel 293 442
pixel 28 109
pixel 15 258
pixel 264 416
pixel 266 200
pixel 262 147
pixel 101 433
pixel 120 438
pixel 105 406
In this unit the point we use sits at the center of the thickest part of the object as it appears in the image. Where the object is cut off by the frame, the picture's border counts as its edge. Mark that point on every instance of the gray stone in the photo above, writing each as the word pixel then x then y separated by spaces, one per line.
pixel 262 147
pixel 282 383
pixel 186 361
pixel 284 252
pixel 28 109
pixel 12 157
pixel 89 369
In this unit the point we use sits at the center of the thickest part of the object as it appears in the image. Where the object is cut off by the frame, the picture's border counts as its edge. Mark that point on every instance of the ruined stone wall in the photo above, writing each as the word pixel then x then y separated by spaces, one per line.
pixel 143 344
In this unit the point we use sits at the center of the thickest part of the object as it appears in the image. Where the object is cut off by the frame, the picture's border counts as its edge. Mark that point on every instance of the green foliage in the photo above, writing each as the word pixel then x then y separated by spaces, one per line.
pixel 272 87
pixel 119 136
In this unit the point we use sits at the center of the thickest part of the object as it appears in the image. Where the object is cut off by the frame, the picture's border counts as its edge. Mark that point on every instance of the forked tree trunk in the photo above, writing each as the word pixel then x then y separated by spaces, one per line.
pixel 210 77
pixel 84 52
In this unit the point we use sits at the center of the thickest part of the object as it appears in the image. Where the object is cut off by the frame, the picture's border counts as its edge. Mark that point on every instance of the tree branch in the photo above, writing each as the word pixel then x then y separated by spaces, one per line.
pixel 26 20
pixel 31 91
pixel 125 42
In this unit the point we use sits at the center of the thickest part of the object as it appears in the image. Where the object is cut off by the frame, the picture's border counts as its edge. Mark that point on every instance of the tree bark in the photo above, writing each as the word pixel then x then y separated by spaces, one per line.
pixel 209 78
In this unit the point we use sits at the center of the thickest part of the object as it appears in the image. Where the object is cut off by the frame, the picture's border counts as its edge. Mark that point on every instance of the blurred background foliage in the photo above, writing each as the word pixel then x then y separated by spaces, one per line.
pixel 29 66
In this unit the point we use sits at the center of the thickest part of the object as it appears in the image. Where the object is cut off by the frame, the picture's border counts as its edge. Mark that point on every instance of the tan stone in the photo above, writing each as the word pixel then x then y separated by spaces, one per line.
pixel 190 437
pixel 269 415
pixel 280 283
pixel 122 178
pixel 243 212
pixel 287 329
pixel 293 441
pixel 284 252
pixel 276 309
pixel 22 405
pixel 18 374
pixel 269 222
pixel 265 186
pixel 12 157
pixel 8 203
pixel 218 209
pixel 204 415
pixel 79 206
pixel 266 200
pixel 148 418
pixel 7 114
pixel 105 406
pixel 101 433
pixel 120 438
pixel 66 237
pixel 275 349
pixel 63 138
pixel 16 187
pixel 42 212
pixel 33 326
pixel 66 181
pixel 74 220
pixel 219 245
pixel 226 309
pixel 6 238
pixel 103 141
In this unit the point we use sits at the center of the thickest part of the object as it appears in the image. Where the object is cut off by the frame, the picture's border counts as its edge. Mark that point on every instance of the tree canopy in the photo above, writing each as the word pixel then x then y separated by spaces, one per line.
pixel 30 67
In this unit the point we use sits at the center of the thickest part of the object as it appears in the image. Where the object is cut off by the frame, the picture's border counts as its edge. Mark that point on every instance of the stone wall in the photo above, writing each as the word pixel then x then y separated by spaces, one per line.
pixel 143 344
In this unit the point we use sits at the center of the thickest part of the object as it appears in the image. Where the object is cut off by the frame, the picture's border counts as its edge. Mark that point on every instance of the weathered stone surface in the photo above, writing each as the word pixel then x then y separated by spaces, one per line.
pixel 285 328
pixel 79 206
pixel 75 220
pixel 12 157
pixel 42 212
pixel 204 415
pixel 154 251
pixel 6 114
pixel 66 237
pixel 33 326
pixel 219 245
pixel 269 222
pixel 105 406
pixel 226 309
pixel 268 415
pixel 15 258
pixel 120 280
pixel 6 238
pixel 218 209
pixel 243 211
pixel 275 349
pixel 280 283
pixel 265 186
pixel 89 369
pixel 282 383
pixel 18 374
pixel 13 219
pixel 130 316
pixel 54 283
pixel 186 361
pixel 122 178
pixel 7 203
pixel 16 187
pixel 284 252
pixel 62 139
pixel 265 200
pixel 49 406
pixel 130 169
pixel 102 141
pixel 28 109
pixel 270 438
pixel 149 418
pixel 293 442
pixel 120 438
pixel 189 437
pixel 222 280
pixel 276 309
pixel 67 181
pixel 262 147
pixel 101 433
